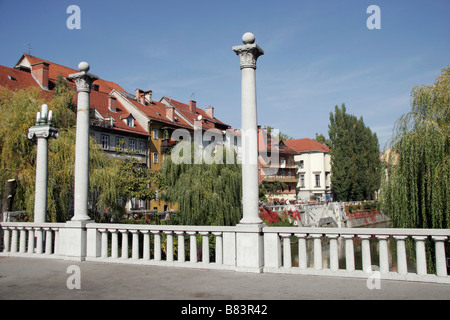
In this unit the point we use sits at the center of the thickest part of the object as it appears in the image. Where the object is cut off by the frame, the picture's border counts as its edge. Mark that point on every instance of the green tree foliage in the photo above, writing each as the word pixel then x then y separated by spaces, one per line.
pixel 416 191
pixel 321 139
pixel 355 157
pixel 18 154
pixel 207 194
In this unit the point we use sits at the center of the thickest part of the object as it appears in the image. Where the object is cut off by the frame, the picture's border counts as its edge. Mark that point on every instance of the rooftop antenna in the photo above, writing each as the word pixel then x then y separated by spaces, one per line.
pixel 193 96
pixel 28 51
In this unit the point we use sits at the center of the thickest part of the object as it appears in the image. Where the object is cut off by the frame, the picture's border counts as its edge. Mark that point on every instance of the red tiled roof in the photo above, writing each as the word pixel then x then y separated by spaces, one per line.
pixel 306 144
pixel 55 69
pixel 207 121
pixel 16 79
pixel 157 111
pixel 99 101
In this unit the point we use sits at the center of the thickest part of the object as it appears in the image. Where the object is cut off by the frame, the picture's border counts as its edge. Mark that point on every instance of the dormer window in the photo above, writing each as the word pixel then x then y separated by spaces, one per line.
pixel 129 120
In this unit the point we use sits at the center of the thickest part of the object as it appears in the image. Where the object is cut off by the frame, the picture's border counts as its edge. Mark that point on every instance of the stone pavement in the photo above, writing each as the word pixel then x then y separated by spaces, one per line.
pixel 46 279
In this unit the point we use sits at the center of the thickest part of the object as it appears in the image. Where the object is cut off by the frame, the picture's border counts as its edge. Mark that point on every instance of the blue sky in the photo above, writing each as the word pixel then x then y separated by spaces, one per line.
pixel 318 54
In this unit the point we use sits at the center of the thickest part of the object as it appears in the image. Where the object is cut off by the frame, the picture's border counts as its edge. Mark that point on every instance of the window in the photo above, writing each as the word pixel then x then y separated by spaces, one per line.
pixel 302 181
pixel 120 142
pixel 105 141
pixel 301 164
pixel 317 180
pixel 132 144
pixel 155 134
pixel 155 157
pixel 142 146
pixel 130 121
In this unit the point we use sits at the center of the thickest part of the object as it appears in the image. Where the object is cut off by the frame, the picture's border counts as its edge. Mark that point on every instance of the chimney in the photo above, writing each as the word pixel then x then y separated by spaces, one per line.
pixel 40 73
pixel 170 113
pixel 112 101
pixel 148 96
pixel 192 106
pixel 140 96
pixel 210 112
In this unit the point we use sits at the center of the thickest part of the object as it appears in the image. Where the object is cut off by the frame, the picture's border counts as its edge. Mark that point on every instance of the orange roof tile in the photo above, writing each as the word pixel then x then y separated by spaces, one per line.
pixel 55 69
pixel 207 121
pixel 306 144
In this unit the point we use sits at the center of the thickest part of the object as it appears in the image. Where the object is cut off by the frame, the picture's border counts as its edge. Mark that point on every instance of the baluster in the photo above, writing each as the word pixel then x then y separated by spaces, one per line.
pixel 192 245
pixel 146 249
pixel 205 246
pixel 39 240
pixel 441 268
pixel 48 240
pixel 14 239
pixel 124 243
pixel 302 256
pixel 6 240
pixel 365 248
pixel 317 251
pixel 23 240
pixel 349 253
pixel 219 247
pixel 169 246
pixel 334 255
pixel 157 244
pixel 30 240
pixel 421 260
pixel 287 258
pixel 135 245
pixel 104 247
pixel 114 243
pixel 383 252
pixel 181 249
pixel 402 267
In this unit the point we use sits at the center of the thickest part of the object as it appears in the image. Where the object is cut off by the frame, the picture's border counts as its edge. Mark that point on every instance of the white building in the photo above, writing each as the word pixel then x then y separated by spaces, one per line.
pixel 314 169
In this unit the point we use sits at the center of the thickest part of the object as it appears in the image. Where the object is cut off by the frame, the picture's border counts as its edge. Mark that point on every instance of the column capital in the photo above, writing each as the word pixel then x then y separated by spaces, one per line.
pixel 83 80
pixel 42 131
pixel 248 52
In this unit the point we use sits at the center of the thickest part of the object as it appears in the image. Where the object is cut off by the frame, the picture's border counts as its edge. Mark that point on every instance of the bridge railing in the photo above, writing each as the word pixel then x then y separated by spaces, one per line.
pixel 217 247
pixel 182 246
pixel 340 242
pixel 27 238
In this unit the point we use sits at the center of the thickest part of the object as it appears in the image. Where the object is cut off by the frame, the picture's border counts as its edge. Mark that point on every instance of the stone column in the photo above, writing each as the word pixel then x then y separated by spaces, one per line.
pixel 248 54
pixel 74 235
pixel 249 240
pixel 83 81
pixel 42 131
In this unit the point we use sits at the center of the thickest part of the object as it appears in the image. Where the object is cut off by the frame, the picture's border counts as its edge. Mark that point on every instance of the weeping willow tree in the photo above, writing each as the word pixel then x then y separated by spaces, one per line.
pixel 416 189
pixel 416 192
pixel 207 194
pixel 18 154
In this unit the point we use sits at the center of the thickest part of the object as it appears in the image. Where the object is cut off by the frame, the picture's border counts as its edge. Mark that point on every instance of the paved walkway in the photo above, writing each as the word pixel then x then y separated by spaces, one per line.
pixel 46 279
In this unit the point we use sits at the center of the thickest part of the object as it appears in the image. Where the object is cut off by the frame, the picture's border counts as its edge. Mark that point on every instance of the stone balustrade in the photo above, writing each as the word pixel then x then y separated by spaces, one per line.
pixel 318 251
pixel 31 239
pixel 341 242
pixel 189 246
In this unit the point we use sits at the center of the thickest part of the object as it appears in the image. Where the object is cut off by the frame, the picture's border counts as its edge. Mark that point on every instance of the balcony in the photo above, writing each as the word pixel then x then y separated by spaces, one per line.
pixel 100 123
pixel 285 179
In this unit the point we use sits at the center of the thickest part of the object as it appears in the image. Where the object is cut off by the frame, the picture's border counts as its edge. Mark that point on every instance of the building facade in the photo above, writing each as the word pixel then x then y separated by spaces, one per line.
pixel 313 170
pixel 277 164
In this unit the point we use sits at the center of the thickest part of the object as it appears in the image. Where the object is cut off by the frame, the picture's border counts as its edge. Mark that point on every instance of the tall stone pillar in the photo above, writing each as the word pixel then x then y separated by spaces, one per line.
pixel 248 54
pixel 249 239
pixel 42 131
pixel 73 238
pixel 83 81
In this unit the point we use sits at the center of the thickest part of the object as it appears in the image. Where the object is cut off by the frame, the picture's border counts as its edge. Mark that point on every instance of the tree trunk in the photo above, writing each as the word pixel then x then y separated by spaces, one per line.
pixel 8 197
